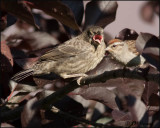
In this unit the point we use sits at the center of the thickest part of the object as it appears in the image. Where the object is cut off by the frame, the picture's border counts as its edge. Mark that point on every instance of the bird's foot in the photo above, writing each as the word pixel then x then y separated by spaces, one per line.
pixel 80 78
pixel 65 76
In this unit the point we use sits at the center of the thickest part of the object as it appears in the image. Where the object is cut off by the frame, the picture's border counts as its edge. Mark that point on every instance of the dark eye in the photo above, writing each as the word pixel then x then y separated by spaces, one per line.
pixel 89 33
pixel 114 46
pixel 99 33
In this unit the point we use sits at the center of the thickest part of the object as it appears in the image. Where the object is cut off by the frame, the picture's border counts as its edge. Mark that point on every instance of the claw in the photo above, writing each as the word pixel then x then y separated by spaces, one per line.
pixel 79 80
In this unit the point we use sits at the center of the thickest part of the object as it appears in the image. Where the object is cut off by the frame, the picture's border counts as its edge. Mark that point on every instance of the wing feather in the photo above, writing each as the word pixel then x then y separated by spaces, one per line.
pixel 132 46
pixel 70 48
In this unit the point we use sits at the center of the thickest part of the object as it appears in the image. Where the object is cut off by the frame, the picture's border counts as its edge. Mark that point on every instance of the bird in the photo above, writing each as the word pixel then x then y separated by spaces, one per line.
pixel 72 58
pixel 125 52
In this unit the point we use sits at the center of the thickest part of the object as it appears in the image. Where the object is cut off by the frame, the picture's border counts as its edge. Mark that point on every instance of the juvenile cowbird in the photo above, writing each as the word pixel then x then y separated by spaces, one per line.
pixel 73 58
pixel 125 52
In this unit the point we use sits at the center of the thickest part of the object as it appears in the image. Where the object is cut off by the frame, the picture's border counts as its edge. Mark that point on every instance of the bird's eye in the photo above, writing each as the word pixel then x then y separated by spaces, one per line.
pixel 113 46
pixel 99 33
pixel 89 32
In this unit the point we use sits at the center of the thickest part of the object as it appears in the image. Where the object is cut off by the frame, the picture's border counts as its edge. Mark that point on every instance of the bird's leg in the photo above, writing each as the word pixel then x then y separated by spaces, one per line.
pixel 81 75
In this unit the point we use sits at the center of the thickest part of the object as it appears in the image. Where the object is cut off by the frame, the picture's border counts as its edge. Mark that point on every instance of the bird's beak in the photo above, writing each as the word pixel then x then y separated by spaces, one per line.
pixel 108 49
pixel 98 38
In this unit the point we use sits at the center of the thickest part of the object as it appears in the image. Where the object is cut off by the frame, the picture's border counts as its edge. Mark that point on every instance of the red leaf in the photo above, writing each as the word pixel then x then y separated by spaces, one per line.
pixel 6 58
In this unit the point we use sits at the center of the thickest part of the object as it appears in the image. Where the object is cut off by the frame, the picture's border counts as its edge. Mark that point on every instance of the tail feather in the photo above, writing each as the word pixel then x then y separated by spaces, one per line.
pixel 22 75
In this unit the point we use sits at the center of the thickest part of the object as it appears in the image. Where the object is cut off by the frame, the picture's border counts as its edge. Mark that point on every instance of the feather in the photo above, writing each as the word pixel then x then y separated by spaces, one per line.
pixel 22 75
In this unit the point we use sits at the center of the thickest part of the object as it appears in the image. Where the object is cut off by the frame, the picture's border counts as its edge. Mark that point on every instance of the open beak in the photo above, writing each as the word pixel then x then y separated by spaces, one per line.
pixel 98 38
pixel 108 51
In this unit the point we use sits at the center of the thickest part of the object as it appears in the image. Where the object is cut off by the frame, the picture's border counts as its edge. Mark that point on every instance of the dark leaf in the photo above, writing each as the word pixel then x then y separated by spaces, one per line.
pixel 122 119
pixel 6 60
pixel 136 107
pixel 120 115
pixel 18 54
pixel 58 10
pixel 100 13
pixel 49 84
pixel 127 34
pixel 3 21
pixel 150 88
pixel 100 94
pixel 18 9
pixel 78 10
pixel 148 10
pixel 26 63
pixel 154 100
pixel 144 121
pixel 70 106
pixel 148 46
pixel 30 116
pixel 6 69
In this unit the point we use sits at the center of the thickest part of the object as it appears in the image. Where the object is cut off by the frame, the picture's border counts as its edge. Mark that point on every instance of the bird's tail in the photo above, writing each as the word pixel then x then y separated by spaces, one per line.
pixel 22 75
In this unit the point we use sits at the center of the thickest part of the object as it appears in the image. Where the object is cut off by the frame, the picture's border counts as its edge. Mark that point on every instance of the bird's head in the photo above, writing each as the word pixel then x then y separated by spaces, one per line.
pixel 94 35
pixel 115 47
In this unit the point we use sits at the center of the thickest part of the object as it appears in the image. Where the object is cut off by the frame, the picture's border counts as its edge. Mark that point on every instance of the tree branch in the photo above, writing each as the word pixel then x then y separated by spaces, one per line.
pixel 46 102
pixel 77 119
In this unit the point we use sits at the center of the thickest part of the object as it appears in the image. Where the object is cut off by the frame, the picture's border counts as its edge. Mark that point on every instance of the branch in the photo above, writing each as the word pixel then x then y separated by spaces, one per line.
pixel 77 119
pixel 46 102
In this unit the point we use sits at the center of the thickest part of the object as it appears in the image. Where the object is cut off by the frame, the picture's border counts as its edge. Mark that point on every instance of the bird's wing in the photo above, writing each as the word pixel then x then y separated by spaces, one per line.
pixel 65 50
pixel 132 46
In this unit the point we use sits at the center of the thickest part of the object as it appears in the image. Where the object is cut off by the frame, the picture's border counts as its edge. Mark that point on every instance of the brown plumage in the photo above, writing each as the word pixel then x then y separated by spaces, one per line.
pixel 73 58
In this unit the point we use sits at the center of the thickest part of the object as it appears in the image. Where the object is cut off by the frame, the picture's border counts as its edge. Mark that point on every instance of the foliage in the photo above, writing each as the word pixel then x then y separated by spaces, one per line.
pixel 127 101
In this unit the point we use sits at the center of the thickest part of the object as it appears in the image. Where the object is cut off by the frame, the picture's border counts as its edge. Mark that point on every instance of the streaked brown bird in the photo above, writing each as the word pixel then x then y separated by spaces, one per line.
pixel 73 58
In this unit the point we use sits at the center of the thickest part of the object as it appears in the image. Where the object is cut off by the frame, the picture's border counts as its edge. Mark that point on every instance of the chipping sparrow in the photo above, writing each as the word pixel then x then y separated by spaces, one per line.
pixel 125 52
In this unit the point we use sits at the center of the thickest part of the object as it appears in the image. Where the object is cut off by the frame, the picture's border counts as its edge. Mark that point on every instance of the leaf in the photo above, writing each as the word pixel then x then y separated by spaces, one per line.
pixel 49 81
pixel 18 9
pixel 154 100
pixel 136 107
pixel 127 34
pixel 120 115
pixel 148 46
pixel 148 10
pixel 122 119
pixel 3 21
pixel 150 88
pixel 58 10
pixel 6 125
pixel 100 13
pixel 100 94
pixel 32 40
pixel 30 116
pixel 6 69
pixel 6 58
pixel 77 8
pixel 26 63
pixel 104 120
